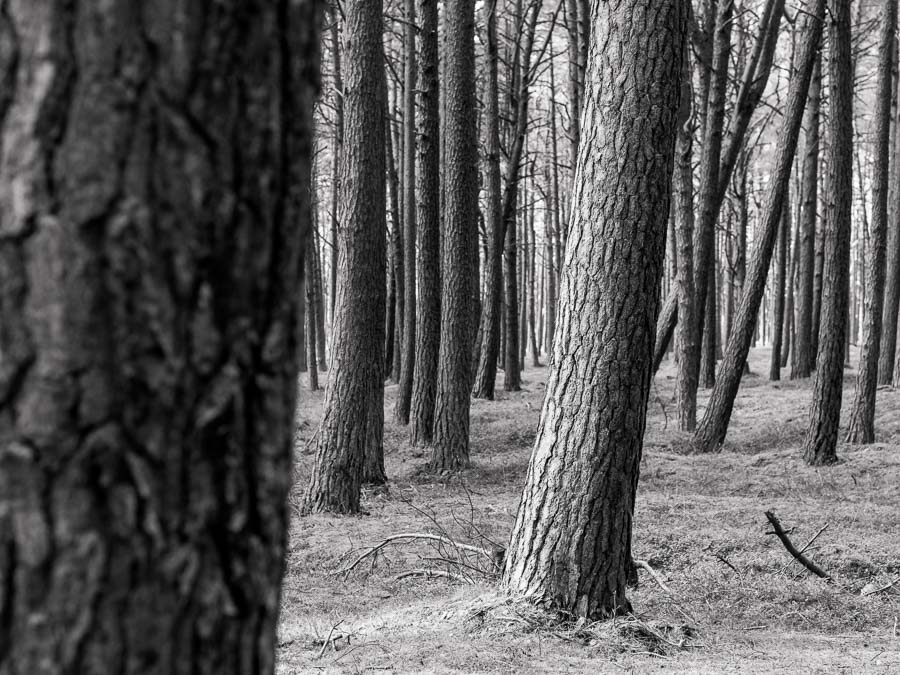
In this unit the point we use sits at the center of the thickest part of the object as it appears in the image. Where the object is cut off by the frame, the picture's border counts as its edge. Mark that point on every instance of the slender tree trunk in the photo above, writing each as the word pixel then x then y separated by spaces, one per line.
pixel 311 319
pixel 892 281
pixel 460 242
pixel 862 411
pixel 780 288
pixel 486 373
pixel 343 440
pixel 395 356
pixel 337 72
pixel 428 219
pixel 714 425
pixel 825 413
pixel 150 300
pixel 407 362
pixel 570 545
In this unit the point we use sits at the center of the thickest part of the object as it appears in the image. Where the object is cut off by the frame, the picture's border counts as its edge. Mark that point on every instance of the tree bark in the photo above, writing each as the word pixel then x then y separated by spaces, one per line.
pixel 342 439
pixel 892 282
pixel 428 219
pixel 825 412
pixel 571 542
pixel 780 289
pixel 460 242
pixel 155 211
pixel 862 411
pixel 714 425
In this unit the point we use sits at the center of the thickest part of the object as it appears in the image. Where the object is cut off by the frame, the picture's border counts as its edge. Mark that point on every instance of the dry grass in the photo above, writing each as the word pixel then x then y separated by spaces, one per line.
pixel 738 602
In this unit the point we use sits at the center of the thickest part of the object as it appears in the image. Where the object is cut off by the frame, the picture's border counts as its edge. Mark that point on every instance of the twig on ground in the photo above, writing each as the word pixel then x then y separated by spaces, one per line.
pixel 328 639
pixel 807 544
pixel 881 589
pixel 802 559
pixel 725 560
pixel 412 535
pixel 433 573
pixel 643 564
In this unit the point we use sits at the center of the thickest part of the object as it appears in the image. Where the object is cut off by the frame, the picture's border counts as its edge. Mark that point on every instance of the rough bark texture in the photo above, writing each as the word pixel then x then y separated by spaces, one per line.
pixel 892 281
pixel 780 288
pixel 428 219
pixel 486 373
pixel 862 411
pixel 714 425
pixel 571 541
pixel 154 201
pixel 804 357
pixel 408 348
pixel 357 363
pixel 460 241
pixel 825 412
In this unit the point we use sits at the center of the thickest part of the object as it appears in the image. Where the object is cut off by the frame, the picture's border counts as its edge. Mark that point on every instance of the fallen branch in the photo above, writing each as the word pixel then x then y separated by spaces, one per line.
pixel 881 589
pixel 414 535
pixel 807 544
pixel 644 565
pixel 802 559
pixel 329 639
pixel 433 573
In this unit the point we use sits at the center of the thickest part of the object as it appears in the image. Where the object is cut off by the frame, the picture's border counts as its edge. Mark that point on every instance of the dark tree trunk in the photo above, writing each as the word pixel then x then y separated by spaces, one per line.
pixel 337 73
pixel 321 353
pixel 714 425
pixel 408 349
pixel 805 356
pixel 825 413
pixel 428 329
pixel 892 281
pixel 780 288
pixel 862 412
pixel 570 545
pixel 486 373
pixel 343 439
pixel 311 318
pixel 460 242
pixel 155 210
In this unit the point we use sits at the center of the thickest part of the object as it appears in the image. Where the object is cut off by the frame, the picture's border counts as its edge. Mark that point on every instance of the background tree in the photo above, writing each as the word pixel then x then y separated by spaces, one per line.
pixel 155 210
pixel 354 389
pixel 574 556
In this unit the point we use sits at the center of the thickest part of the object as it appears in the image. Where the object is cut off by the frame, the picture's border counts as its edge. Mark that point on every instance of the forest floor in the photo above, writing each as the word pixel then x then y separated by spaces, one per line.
pixel 737 601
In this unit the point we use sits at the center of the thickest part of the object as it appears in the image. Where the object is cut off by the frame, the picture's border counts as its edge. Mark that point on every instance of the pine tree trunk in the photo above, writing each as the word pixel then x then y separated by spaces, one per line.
pixel 825 413
pixel 460 242
pixel 892 282
pixel 343 440
pixel 862 411
pixel 408 348
pixel 714 425
pixel 428 219
pixel 570 545
pixel 150 279
pixel 780 288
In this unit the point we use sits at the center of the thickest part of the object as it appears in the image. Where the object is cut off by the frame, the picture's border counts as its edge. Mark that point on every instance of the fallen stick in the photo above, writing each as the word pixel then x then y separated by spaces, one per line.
pixel 414 535
pixel 328 639
pixel 433 573
pixel 807 545
pixel 882 589
pixel 802 559
pixel 644 565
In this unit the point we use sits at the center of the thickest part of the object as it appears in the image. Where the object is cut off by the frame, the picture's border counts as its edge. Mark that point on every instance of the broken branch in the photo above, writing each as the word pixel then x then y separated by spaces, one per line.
pixel 802 559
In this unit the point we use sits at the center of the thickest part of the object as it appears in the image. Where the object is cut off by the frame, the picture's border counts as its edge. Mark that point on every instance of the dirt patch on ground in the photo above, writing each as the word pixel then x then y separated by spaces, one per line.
pixel 737 602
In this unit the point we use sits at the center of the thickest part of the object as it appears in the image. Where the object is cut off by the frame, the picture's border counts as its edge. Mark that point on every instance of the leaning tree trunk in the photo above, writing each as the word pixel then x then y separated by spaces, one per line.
pixel 714 425
pixel 825 413
pixel 571 541
pixel 357 363
pixel 460 241
pixel 862 412
pixel 428 329
pixel 154 211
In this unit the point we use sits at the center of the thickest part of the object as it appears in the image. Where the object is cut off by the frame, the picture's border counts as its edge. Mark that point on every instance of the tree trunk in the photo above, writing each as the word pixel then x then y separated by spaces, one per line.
pixel 151 262
pixel 342 439
pixel 892 281
pixel 407 361
pixel 780 288
pixel 714 425
pixel 428 219
pixel 337 74
pixel 862 412
pixel 460 242
pixel 311 317
pixel 825 413
pixel 571 542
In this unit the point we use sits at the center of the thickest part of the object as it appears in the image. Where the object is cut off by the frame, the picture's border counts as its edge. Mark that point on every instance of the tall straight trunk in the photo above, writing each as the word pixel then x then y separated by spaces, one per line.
pixel 532 287
pixel 460 241
pixel 780 288
pixel 571 541
pixel 788 345
pixel 337 73
pixel 824 417
pixel 398 251
pixel 408 348
pixel 321 353
pixel 311 318
pixel 428 220
pixel 862 412
pixel 713 427
pixel 150 299
pixel 576 80
pixel 708 344
pixel 552 232
pixel 344 446
pixel 892 281
pixel 486 373
pixel 819 258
